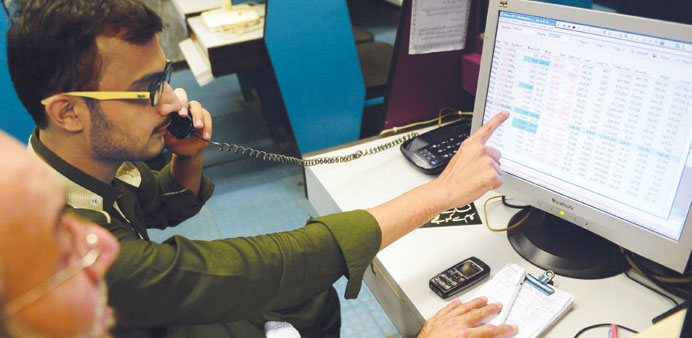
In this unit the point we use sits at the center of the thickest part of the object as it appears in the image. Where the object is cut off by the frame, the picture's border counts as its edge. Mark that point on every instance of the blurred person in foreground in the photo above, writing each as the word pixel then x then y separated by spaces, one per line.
pixel 51 263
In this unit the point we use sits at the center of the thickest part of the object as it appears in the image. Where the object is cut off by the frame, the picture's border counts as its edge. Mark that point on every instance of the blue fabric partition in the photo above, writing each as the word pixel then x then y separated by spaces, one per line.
pixel 14 119
pixel 313 53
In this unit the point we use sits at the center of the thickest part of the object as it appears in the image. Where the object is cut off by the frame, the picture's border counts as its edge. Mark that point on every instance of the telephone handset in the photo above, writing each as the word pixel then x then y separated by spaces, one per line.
pixel 182 128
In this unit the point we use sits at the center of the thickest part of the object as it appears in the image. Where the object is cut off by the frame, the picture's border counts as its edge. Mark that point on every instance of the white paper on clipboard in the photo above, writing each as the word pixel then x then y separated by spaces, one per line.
pixel 503 288
pixel 529 308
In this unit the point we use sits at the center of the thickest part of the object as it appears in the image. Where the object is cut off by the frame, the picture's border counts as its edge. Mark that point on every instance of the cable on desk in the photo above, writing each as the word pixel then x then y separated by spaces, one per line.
pixel 514 206
pixel 602 325
pixel 485 213
pixel 668 280
pixel 652 289
pixel 665 278
pixel 440 117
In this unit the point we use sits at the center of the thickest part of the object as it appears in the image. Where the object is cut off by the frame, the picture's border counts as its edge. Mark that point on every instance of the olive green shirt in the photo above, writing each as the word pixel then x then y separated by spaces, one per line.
pixel 190 282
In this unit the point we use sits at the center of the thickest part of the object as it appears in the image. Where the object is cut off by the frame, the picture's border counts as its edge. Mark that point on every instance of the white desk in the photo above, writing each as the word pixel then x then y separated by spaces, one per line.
pixel 402 270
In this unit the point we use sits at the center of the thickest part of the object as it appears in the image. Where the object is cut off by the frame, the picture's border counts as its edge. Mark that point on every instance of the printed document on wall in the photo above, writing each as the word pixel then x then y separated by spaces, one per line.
pixel 438 25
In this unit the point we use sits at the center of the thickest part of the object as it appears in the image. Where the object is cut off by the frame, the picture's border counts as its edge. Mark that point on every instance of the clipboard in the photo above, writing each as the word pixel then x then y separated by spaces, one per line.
pixel 527 301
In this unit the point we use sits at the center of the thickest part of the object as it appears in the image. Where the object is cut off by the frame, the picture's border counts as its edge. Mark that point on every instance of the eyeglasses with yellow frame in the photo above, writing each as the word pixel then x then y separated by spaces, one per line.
pixel 154 94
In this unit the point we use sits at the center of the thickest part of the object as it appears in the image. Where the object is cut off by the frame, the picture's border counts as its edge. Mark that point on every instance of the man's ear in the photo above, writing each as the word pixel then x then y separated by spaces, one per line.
pixel 67 112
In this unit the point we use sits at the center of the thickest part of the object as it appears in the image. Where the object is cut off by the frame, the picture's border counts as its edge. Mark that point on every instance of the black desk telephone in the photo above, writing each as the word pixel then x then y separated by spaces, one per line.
pixel 431 152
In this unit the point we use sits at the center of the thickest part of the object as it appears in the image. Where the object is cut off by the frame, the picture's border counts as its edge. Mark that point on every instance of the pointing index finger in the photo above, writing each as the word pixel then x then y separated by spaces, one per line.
pixel 487 129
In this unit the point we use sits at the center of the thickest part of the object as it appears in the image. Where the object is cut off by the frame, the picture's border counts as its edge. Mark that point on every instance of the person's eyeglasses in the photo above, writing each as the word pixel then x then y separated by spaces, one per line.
pixel 154 94
pixel 27 298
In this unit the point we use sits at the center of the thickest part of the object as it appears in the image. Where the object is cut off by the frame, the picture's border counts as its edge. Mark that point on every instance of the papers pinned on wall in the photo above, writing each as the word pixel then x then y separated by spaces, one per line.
pixel 438 25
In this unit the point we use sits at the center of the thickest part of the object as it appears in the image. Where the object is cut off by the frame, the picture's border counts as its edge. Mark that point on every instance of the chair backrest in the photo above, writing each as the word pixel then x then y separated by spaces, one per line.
pixel 313 54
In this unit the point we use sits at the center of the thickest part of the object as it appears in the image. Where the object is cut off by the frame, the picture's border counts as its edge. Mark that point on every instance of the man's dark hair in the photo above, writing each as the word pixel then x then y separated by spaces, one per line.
pixel 51 44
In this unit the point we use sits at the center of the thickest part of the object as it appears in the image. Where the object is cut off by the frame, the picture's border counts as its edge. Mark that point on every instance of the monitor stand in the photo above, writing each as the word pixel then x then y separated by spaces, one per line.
pixel 555 244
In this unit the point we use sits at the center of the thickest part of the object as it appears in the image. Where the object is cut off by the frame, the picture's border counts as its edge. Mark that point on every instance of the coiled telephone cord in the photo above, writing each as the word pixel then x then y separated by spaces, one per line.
pixel 266 156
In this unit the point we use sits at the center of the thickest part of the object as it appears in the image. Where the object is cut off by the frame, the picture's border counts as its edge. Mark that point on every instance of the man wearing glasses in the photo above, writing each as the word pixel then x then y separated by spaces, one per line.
pixel 54 287
pixel 93 77
pixel 51 263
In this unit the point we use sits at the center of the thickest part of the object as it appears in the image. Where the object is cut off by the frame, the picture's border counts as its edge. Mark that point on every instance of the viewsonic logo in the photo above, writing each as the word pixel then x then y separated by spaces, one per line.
pixel 562 204
pixel 503 4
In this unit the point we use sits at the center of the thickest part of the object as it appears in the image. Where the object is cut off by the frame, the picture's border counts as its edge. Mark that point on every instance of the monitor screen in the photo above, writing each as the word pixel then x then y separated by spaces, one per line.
pixel 601 120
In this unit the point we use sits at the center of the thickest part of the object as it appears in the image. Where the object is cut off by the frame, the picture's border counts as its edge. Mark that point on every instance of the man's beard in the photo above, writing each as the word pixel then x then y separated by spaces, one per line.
pixel 99 326
pixel 109 148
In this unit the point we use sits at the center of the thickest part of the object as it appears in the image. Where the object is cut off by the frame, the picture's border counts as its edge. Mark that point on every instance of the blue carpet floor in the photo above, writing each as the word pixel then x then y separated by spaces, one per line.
pixel 255 197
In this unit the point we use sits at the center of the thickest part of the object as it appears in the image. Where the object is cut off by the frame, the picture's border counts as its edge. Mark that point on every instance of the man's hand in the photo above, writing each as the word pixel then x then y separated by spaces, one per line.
pixel 186 164
pixel 201 119
pixel 475 168
pixel 459 319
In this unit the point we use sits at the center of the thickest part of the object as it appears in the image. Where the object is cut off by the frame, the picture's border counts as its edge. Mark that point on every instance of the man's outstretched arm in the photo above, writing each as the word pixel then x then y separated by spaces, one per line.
pixel 473 171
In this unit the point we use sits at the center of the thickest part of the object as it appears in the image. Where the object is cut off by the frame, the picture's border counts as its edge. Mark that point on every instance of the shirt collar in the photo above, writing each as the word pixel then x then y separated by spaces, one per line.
pixel 84 191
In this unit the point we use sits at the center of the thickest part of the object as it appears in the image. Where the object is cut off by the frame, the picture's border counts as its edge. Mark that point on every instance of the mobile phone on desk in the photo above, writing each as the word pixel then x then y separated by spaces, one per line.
pixel 459 277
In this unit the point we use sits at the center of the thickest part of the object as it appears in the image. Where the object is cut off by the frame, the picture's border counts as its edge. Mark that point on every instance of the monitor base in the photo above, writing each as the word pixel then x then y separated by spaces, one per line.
pixel 554 244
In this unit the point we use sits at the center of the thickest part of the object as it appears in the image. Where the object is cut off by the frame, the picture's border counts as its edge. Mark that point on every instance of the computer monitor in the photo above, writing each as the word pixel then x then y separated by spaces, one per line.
pixel 599 133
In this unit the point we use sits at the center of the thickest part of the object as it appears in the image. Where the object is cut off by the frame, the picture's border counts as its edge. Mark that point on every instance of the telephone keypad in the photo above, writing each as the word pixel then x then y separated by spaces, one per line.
pixel 442 152
pixel 432 151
